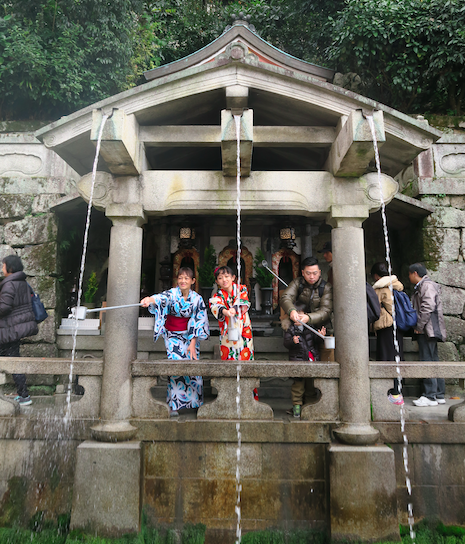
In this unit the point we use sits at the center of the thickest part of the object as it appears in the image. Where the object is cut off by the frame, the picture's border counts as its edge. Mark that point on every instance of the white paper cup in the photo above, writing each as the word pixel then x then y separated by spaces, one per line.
pixel 80 312
pixel 233 334
pixel 330 342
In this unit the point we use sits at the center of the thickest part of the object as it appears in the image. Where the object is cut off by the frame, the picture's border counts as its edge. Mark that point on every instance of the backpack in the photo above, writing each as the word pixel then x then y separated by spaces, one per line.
pixel 38 308
pixel 406 316
pixel 373 307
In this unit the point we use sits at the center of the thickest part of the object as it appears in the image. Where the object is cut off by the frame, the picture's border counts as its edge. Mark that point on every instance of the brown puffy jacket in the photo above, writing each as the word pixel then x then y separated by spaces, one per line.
pixel 318 310
pixel 381 288
pixel 16 316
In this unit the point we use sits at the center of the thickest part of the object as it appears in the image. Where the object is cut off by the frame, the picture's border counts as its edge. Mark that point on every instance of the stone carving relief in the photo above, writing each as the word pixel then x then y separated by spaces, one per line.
pixel 453 163
pixel 389 187
pixel 237 51
pixel 23 163
pixel 104 184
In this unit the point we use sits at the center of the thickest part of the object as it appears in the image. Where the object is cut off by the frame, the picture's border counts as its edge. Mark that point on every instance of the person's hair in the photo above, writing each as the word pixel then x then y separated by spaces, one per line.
pixel 419 268
pixel 223 270
pixel 13 264
pixel 187 271
pixel 380 269
pixel 309 261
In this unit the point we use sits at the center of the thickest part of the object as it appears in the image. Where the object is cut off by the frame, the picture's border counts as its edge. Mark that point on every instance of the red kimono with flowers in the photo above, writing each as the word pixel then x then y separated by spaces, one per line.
pixel 242 350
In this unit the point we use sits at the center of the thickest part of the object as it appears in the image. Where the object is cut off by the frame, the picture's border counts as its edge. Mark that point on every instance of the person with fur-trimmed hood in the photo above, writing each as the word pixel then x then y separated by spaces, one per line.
pixel 384 326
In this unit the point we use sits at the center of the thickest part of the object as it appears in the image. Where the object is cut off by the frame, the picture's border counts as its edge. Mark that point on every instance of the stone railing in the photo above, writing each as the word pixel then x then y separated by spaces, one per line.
pixel 89 372
pixel 223 376
pixel 224 380
pixel 382 374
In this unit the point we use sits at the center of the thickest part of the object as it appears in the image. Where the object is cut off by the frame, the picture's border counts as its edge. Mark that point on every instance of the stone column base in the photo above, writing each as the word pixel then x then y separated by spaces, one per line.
pixel 106 491
pixel 363 501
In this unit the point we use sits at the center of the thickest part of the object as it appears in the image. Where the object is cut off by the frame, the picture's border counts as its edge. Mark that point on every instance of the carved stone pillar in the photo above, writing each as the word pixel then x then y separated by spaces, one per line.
pixel 350 324
pixel 120 348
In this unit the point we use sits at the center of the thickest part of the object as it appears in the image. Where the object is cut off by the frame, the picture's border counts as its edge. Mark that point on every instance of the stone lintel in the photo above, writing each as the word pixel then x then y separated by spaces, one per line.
pixel 363 494
pixel 229 142
pixel 210 136
pixel 120 146
pixel 440 186
pixel 180 136
pixel 347 215
pixel 293 136
pixel 352 150
pixel 186 191
pixel 237 97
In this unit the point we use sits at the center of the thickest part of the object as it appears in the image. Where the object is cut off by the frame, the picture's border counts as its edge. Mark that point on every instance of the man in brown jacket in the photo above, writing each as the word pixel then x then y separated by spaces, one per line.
pixel 311 293
pixel 430 329
pixel 308 299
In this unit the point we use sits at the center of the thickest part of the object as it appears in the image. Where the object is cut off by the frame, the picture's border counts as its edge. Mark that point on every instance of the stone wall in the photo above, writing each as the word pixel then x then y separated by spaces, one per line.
pixel 437 178
pixel 282 485
pixel 187 477
pixel 32 180
pixel 438 482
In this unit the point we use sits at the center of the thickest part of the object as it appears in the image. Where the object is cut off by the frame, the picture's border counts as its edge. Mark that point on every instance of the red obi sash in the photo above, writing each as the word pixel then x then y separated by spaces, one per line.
pixel 176 324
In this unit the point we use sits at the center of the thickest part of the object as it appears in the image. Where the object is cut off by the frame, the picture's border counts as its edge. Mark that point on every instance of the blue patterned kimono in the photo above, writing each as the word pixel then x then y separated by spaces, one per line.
pixel 183 391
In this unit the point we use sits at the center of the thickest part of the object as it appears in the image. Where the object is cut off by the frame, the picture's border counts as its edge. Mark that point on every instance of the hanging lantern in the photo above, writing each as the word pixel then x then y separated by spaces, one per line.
pixel 287 237
pixel 186 237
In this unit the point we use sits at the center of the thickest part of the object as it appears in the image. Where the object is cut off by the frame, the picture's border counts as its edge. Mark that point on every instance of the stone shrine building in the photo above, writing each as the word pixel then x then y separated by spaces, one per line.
pixel 165 190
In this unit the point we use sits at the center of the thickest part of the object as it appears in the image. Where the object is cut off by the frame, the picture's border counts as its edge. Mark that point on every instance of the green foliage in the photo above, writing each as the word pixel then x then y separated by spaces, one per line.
pixel 193 534
pixel 263 277
pixel 295 26
pixel 410 54
pixel 91 288
pixel 205 272
pixel 183 26
pixel 56 57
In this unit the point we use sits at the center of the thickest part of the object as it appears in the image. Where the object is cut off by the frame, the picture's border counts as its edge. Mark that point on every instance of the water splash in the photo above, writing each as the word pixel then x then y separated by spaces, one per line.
pixel 396 343
pixel 81 273
pixel 237 120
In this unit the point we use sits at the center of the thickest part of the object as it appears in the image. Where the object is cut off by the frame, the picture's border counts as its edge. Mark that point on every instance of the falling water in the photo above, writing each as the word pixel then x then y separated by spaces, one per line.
pixel 83 262
pixel 237 120
pixel 396 343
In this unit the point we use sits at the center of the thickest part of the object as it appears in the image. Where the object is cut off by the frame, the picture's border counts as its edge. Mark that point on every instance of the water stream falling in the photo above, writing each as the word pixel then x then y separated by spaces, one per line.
pixel 81 273
pixel 237 120
pixel 396 343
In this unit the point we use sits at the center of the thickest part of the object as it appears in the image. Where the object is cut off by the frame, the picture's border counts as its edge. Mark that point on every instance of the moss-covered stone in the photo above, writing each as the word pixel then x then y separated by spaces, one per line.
pixel 31 230
pixel 45 286
pixel 22 126
pixel 13 504
pixel 14 207
pixel 447 242
pixel 39 350
pixel 40 260
pixel 446 121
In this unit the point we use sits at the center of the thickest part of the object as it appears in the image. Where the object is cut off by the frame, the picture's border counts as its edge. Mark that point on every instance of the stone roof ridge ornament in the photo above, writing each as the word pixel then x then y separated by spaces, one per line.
pixel 241 19
pixel 238 51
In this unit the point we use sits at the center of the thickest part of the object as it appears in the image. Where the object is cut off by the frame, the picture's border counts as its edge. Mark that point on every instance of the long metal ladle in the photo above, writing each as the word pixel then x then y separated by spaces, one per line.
pixel 330 341
pixel 80 312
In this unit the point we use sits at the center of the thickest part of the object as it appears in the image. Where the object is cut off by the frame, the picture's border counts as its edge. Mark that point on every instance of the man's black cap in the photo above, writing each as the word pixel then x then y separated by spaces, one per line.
pixel 326 247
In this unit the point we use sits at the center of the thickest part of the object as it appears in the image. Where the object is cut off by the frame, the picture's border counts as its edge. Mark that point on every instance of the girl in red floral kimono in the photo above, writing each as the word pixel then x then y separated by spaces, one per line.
pixel 230 305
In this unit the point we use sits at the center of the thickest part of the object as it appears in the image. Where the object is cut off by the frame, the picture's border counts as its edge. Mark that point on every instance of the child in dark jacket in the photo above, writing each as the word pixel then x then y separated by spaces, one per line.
pixel 303 346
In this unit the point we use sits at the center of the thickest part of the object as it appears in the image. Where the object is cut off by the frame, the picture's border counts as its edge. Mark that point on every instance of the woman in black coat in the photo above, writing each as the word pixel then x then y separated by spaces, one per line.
pixel 16 317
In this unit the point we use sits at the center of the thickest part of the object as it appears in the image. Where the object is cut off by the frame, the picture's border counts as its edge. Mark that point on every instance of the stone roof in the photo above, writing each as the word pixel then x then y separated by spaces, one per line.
pixel 238 41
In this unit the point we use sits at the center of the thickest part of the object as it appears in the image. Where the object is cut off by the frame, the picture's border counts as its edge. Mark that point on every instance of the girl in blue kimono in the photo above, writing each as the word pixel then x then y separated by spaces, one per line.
pixel 181 318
